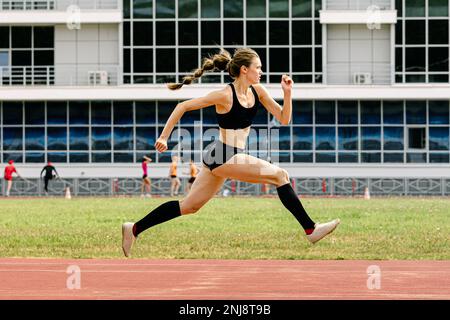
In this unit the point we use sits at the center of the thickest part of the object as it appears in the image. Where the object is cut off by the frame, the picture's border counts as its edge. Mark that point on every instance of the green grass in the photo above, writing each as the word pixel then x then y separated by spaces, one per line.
pixel 231 228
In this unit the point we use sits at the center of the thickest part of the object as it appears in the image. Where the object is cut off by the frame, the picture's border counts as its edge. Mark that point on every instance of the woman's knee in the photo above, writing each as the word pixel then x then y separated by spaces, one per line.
pixel 186 207
pixel 282 177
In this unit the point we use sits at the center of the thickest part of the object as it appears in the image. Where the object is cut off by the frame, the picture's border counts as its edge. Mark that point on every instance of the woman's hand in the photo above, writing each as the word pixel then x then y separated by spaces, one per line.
pixel 286 82
pixel 161 145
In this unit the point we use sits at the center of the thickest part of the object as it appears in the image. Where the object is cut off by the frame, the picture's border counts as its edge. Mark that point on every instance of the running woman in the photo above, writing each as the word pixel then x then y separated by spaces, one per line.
pixel 146 183
pixel 8 175
pixel 235 105
pixel 175 182
pixel 49 168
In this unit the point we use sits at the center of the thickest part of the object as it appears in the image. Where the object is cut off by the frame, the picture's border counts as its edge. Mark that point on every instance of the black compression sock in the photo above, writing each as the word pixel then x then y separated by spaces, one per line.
pixel 165 212
pixel 290 200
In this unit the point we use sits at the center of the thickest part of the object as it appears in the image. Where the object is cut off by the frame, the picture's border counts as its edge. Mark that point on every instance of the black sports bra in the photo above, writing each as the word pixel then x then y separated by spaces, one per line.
pixel 238 117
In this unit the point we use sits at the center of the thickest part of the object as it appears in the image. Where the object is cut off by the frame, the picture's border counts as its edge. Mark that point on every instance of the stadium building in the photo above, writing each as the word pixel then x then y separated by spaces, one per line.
pixel 82 84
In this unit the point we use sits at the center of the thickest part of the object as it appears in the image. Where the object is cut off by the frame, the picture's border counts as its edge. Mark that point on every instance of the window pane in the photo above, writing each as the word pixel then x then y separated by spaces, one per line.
pixel 347 112
pixel 21 58
pixel 415 8
pixel 145 112
pixel 34 157
pixel 44 37
pixel 233 32
pixel 79 138
pixel 4 37
pixel 78 112
pixel 439 158
pixel 187 60
pixel 57 157
pixel 123 157
pixel 34 139
pixel 279 8
pixel 325 157
pixel 438 8
pixel 416 158
pixel 325 112
pixel 17 157
pixel 278 32
pixel 279 60
pixel 34 112
pixel 370 112
pixel 142 8
pixel 371 157
pixel 302 60
pixel 439 138
pixel 302 138
pixel 212 36
pixel 12 139
pixel 187 33
pixel 393 157
pixel 104 157
pixel 325 138
pixel 165 33
pixel 280 138
pixel 101 112
pixel 416 112
pixel 438 31
pixel 439 112
pixel 302 112
pixel 12 113
pixel 145 138
pixel 393 112
pixel 232 9
pixel 256 9
pixel 123 138
pixel 348 138
pixel 143 60
pixel 4 59
pixel 438 59
pixel 415 31
pixel 165 8
pixel 305 157
pixel 56 112
pixel 209 115
pixel 56 138
pixel 165 60
pixel 142 33
pixel 165 109
pixel 399 32
pixel 256 32
pixel 398 59
pixel 347 157
pixel 302 32
pixel 77 157
pixel 210 8
pixel 393 138
pixel 187 9
pixel 301 8
pixel 370 138
pixel 123 112
pixel 101 138
pixel 21 37
pixel 191 117
pixel 44 58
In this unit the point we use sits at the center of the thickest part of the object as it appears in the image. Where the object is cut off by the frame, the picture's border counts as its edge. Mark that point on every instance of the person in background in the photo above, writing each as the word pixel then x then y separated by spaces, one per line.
pixel 49 168
pixel 8 175
pixel 146 183
pixel 175 182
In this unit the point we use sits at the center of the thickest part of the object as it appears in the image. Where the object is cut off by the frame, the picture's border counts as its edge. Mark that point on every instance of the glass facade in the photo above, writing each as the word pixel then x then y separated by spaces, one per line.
pixel 165 40
pixel 422 41
pixel 390 131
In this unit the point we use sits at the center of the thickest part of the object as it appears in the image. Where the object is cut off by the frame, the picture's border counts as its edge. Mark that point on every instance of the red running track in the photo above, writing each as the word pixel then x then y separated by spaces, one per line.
pixel 223 279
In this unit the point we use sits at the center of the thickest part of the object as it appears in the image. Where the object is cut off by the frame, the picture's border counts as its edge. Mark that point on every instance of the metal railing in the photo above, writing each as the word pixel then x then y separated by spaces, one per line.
pixel 60 75
pixel 58 4
pixel 357 4
pixel 325 187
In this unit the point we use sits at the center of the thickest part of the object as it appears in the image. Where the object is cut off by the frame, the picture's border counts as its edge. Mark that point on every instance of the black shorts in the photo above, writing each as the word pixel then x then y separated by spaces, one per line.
pixel 144 176
pixel 173 177
pixel 217 153
pixel 191 180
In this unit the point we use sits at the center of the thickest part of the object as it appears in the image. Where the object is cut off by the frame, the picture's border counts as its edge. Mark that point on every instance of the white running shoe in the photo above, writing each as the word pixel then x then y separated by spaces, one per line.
pixel 128 238
pixel 322 229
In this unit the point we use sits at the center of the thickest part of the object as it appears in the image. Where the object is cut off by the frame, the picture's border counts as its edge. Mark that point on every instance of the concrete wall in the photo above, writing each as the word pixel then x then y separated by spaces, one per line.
pixel 356 48
pixel 93 47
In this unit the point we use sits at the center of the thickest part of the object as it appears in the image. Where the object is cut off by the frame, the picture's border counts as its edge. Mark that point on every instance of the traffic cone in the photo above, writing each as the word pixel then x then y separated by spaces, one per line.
pixel 68 196
pixel 366 193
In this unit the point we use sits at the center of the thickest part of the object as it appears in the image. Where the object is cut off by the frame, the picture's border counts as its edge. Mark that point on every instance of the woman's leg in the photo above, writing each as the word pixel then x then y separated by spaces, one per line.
pixel 250 169
pixel 8 188
pixel 204 188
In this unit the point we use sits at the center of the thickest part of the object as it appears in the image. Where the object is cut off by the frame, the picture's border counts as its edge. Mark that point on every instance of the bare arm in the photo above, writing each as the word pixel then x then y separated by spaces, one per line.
pixel 283 115
pixel 213 98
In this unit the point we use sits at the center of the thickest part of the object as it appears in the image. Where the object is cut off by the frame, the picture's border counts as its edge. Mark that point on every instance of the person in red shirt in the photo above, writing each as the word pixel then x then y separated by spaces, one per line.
pixel 9 170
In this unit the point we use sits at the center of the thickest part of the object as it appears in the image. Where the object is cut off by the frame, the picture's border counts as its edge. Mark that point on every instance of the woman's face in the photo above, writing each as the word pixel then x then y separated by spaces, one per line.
pixel 254 71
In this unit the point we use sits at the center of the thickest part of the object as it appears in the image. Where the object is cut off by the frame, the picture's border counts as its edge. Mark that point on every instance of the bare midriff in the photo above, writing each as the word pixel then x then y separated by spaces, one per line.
pixel 234 137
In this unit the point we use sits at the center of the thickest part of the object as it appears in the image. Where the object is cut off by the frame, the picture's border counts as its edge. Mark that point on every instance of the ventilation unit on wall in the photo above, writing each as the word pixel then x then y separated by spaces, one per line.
pixel 98 77
pixel 362 78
